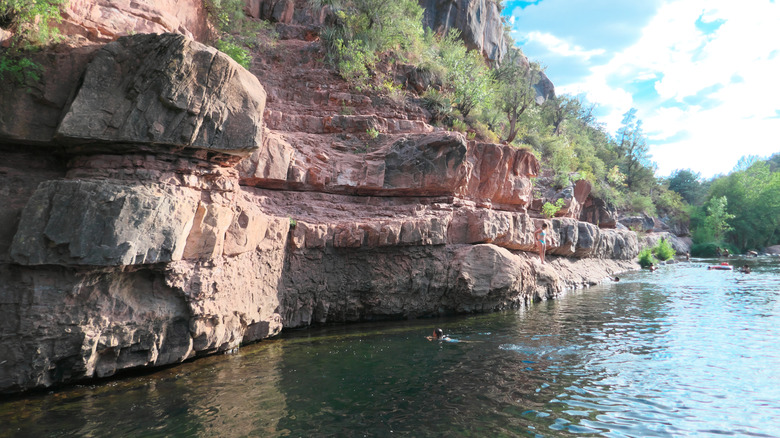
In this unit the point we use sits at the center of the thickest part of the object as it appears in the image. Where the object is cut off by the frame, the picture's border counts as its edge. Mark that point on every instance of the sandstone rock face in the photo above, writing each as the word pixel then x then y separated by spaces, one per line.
pixel 31 114
pixel 479 22
pixel 140 245
pixel 596 211
pixel 575 196
pixel 482 28
pixel 644 223
pixel 106 20
pixel 166 90
pixel 97 224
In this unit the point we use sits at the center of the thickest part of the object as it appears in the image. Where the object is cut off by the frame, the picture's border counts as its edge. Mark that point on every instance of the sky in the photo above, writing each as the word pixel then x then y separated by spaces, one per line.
pixel 704 75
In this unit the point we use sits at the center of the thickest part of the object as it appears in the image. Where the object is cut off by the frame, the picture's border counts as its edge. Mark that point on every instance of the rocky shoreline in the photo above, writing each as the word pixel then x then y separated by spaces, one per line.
pixel 162 203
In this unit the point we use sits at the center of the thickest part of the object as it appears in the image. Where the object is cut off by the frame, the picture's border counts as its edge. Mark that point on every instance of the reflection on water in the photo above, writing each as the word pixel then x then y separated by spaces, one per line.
pixel 679 352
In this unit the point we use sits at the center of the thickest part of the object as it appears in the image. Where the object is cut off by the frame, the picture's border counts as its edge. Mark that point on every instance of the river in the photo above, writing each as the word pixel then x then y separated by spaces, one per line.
pixel 682 351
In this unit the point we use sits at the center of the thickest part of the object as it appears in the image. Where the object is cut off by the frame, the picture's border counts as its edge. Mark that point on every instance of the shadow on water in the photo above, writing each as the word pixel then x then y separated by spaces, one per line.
pixel 680 351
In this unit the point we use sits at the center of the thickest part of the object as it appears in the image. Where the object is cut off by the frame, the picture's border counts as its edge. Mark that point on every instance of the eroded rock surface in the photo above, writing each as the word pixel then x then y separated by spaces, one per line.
pixel 166 90
pixel 106 20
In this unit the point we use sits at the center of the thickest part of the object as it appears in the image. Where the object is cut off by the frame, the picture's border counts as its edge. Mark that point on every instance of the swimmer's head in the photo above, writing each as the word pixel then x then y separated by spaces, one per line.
pixel 438 333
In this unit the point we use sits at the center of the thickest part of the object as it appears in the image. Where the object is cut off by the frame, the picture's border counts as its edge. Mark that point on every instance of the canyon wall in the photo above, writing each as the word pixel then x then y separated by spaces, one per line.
pixel 162 203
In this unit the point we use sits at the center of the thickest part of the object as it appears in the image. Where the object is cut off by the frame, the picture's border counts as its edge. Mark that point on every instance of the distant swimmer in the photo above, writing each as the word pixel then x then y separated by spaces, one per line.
pixel 438 335
pixel 616 279
pixel 745 269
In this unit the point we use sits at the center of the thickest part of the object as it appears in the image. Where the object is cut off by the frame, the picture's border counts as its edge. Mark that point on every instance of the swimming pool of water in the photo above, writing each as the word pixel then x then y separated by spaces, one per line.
pixel 682 351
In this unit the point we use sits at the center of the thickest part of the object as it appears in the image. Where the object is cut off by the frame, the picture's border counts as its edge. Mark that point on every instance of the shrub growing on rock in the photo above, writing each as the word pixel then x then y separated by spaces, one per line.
pixel 663 250
pixel 646 258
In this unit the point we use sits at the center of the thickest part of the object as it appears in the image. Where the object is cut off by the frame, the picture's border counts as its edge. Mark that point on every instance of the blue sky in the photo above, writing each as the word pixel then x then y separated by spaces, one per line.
pixel 704 75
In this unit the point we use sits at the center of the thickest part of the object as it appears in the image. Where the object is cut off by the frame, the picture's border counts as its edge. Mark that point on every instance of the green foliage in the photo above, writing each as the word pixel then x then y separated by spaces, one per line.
pixel 515 89
pixel 549 210
pixel 355 63
pixel 466 75
pixel 362 29
pixel 663 250
pixel 460 125
pixel 239 54
pixel 237 31
pixel 688 184
pixel 372 133
pixel 19 69
pixel 708 249
pixel 439 104
pixel 718 217
pixel 711 249
pixel 392 90
pixel 640 204
pixel 30 21
pixel 646 258
pixel 752 219
pixel 484 132
pixel 225 14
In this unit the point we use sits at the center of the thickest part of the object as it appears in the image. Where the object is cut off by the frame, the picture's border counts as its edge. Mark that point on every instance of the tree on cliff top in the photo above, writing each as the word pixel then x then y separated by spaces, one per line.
pixel 516 92
pixel 632 145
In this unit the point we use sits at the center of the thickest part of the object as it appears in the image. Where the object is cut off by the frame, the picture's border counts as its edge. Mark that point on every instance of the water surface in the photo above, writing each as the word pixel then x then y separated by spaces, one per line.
pixel 679 352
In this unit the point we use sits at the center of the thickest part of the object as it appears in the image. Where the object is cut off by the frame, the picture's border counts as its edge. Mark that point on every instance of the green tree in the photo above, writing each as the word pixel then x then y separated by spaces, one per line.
pixel 516 92
pixel 718 217
pixel 754 199
pixel 688 184
pixel 633 149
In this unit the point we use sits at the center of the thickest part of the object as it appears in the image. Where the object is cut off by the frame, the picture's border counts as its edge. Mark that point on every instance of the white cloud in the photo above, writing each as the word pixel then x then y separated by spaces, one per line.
pixel 560 47
pixel 726 119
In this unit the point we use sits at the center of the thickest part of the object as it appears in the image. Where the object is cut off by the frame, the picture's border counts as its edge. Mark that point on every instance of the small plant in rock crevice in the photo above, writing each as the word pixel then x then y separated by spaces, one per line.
pixel 549 210
pixel 30 22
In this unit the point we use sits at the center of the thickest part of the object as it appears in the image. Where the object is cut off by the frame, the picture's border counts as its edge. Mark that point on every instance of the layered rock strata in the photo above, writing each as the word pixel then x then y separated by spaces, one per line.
pixel 172 207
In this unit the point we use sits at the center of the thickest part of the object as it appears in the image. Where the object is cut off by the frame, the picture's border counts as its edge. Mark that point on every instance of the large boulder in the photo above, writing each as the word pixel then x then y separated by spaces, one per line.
pixel 597 211
pixel 574 197
pixel 431 165
pixel 166 90
pixel 500 174
pixel 772 249
pixel 103 224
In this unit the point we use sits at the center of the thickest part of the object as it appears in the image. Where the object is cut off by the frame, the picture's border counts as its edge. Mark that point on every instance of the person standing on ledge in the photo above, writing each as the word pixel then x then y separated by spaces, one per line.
pixel 540 235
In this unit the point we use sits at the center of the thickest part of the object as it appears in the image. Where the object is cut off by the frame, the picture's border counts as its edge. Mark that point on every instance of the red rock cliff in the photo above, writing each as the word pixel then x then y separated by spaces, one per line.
pixel 161 203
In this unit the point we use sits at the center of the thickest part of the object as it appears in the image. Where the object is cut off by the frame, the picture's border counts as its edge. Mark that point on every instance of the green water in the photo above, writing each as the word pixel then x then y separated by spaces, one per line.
pixel 679 352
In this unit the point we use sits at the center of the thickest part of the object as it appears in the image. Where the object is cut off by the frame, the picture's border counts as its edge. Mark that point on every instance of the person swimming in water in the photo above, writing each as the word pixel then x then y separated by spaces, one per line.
pixel 438 335
pixel 540 235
